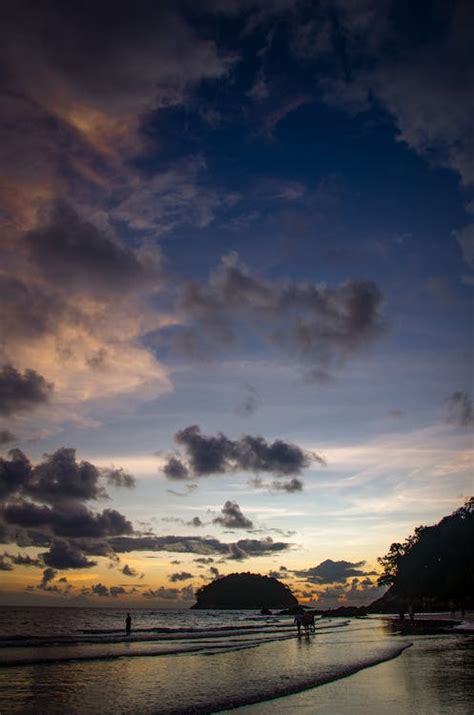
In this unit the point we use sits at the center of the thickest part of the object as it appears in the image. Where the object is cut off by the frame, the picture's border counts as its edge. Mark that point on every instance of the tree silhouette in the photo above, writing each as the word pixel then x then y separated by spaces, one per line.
pixel 435 565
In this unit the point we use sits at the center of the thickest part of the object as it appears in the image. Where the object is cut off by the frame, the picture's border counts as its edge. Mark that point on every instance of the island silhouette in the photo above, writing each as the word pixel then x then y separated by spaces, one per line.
pixel 245 590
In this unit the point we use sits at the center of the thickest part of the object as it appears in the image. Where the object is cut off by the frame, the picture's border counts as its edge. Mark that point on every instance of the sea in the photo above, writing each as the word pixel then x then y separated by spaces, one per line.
pixel 80 660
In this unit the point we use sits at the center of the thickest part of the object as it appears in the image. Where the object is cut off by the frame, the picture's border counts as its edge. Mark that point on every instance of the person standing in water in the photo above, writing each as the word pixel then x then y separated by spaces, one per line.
pixel 298 621
pixel 128 624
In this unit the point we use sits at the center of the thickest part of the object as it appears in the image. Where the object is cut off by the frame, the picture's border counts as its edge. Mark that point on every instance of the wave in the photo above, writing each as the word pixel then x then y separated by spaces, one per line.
pixel 110 644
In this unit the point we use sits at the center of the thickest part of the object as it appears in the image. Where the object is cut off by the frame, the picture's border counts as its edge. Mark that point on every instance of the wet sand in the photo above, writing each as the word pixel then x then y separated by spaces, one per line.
pixel 433 677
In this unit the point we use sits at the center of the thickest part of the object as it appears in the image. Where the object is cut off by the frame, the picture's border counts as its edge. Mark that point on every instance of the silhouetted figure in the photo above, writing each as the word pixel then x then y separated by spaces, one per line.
pixel 128 624
pixel 299 621
pixel 308 619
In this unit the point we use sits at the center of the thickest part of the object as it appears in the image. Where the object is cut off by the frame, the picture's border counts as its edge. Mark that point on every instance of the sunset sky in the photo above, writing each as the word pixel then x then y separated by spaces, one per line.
pixel 237 268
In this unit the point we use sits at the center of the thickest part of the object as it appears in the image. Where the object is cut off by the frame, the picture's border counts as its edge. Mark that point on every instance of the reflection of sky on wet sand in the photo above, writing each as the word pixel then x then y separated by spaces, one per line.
pixel 433 676
pixel 183 683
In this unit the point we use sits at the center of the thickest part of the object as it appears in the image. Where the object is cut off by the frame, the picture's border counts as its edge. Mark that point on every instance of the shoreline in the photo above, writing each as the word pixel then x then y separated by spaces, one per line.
pixel 431 677
pixel 307 674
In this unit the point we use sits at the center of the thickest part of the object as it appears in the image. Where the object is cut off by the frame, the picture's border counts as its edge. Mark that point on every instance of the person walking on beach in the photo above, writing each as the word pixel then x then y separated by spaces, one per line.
pixel 128 624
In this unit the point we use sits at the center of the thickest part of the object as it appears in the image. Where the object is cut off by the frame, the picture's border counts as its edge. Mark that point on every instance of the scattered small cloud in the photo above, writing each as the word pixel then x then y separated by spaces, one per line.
pixel 460 409
pixel 232 517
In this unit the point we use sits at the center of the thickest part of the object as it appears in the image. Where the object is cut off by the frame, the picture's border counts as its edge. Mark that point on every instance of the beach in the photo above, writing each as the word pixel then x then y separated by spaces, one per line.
pixel 214 662
pixel 432 677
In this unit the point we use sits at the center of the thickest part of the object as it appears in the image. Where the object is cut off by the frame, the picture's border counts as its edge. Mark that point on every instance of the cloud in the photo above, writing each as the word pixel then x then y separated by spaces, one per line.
pixel 64 524
pixel 67 520
pixel 232 517
pixel 14 473
pixel 66 555
pixel 21 392
pixel 274 116
pixel 180 576
pixel 149 59
pixel 100 590
pixel 118 477
pixel 169 594
pixel 465 238
pixel 48 575
pixel 24 560
pixel 243 549
pixel 4 564
pixel 219 454
pixel 460 409
pixel 195 521
pixel 417 80
pixel 6 436
pixel 249 404
pixel 330 571
pixel 290 486
pixel 129 571
pixel 73 253
pixel 175 469
pixel 58 478
pixel 172 197
pixel 352 593
pixel 319 325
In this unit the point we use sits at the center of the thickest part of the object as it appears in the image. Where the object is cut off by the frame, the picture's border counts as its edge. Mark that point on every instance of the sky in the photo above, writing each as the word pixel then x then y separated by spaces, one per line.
pixel 237 268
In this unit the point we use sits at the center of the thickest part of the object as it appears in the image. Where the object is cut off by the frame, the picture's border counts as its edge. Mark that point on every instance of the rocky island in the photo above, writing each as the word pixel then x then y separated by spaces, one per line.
pixel 245 590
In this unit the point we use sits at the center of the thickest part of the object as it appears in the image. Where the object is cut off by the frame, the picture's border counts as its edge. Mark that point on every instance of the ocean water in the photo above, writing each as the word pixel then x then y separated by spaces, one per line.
pixel 79 660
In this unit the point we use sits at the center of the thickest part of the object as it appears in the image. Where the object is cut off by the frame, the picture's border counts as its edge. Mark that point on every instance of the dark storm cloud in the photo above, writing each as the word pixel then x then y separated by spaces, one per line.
pixel 175 469
pixel 232 517
pixel 219 454
pixel 320 325
pixel 333 571
pixel 14 473
pixel 6 436
pixel 58 478
pixel 180 576
pixel 61 478
pixel 242 549
pixel 66 555
pixel 20 392
pixel 68 520
pixel 460 409
pixel 75 254
pixel 64 524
